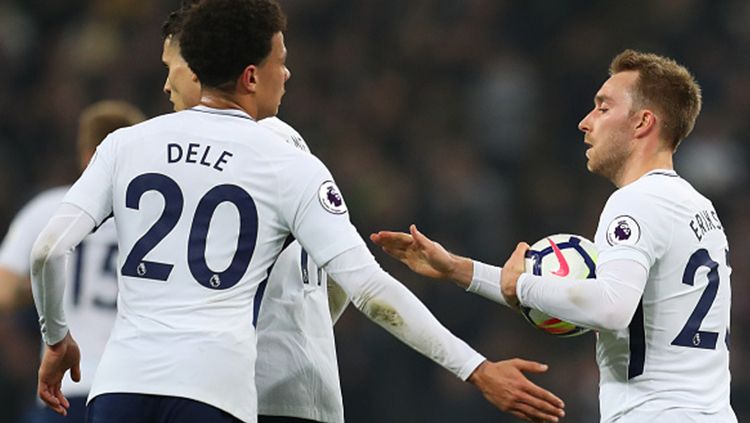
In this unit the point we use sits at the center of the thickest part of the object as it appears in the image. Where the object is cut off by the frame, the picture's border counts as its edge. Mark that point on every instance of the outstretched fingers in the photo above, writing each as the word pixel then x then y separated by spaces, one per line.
pixel 420 238
pixel 394 241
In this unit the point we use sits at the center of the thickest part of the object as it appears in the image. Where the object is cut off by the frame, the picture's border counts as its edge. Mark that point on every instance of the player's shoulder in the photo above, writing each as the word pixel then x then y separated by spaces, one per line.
pixel 660 187
pixel 50 196
pixel 42 206
pixel 653 185
pixel 653 200
pixel 47 200
pixel 290 135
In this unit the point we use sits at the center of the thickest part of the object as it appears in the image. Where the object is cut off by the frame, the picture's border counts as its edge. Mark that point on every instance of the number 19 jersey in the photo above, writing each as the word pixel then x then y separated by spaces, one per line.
pixel 672 362
pixel 203 201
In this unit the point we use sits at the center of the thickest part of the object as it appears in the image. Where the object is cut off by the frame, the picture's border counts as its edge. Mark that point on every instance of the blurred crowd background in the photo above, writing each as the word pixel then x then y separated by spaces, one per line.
pixel 460 116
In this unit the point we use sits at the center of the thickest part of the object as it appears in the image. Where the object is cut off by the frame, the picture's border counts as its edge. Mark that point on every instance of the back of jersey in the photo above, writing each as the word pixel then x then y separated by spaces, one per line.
pixel 674 355
pixel 196 200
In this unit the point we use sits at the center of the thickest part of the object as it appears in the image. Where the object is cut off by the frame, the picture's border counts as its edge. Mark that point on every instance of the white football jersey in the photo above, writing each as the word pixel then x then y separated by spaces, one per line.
pixel 90 302
pixel 296 369
pixel 203 200
pixel 673 360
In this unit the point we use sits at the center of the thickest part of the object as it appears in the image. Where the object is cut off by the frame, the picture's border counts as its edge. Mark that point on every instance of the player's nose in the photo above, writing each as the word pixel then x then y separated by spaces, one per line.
pixel 288 73
pixel 584 125
pixel 166 88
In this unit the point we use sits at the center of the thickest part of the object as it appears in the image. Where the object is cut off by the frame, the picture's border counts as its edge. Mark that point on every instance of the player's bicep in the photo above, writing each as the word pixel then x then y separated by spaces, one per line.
pixel 631 229
pixel 318 216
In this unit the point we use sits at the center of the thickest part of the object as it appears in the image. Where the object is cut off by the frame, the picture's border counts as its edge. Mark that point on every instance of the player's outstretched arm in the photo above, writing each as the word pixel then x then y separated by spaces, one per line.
pixel 504 385
pixel 57 359
pixel 428 258
pixel 425 256
pixel 389 304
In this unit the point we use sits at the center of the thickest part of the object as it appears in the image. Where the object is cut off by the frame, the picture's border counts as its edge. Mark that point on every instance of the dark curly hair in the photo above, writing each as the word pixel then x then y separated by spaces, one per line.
pixel 220 38
pixel 172 26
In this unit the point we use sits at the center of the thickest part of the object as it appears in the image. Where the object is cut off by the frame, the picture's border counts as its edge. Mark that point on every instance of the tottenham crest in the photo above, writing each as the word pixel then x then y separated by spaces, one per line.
pixel 330 198
pixel 623 230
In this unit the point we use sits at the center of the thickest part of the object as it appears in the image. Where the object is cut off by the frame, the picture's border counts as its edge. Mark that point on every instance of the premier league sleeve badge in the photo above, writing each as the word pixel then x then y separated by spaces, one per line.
pixel 623 230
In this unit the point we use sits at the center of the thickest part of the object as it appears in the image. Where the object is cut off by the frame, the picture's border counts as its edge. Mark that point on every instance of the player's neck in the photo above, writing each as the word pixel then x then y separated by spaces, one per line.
pixel 640 164
pixel 222 100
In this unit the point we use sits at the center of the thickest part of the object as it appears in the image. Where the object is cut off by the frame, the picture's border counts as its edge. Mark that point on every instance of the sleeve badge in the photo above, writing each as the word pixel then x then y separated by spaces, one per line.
pixel 623 230
pixel 330 198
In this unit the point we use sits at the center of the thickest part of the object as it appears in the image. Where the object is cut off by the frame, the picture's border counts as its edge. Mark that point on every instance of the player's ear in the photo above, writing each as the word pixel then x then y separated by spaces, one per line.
pixel 645 122
pixel 248 80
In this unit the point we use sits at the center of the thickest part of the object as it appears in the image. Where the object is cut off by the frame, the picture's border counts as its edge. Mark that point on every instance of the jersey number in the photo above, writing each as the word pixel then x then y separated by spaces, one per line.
pixel 106 272
pixel 691 335
pixel 136 266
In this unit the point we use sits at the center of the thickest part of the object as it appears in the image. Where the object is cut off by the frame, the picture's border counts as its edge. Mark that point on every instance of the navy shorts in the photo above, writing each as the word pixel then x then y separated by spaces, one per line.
pixel 142 408
pixel 44 414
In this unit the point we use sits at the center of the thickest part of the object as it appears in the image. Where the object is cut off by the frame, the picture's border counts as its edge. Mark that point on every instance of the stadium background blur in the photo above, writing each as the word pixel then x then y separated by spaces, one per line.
pixel 457 115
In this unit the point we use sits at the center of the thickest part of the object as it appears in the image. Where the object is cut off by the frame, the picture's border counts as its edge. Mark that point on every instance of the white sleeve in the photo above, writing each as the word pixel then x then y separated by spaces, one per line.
pixel 337 299
pixel 92 192
pixel 605 303
pixel 315 210
pixel 66 229
pixel 486 282
pixel 391 305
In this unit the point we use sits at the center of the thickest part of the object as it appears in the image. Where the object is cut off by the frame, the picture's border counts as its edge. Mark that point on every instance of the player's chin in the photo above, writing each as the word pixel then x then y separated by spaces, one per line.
pixel 591 166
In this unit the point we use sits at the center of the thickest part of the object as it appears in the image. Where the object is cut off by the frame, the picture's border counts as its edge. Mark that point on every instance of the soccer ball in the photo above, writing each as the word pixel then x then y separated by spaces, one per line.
pixel 565 256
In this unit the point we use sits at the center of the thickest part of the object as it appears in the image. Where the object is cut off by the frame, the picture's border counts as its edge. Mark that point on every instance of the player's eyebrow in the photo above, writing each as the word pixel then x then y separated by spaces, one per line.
pixel 601 98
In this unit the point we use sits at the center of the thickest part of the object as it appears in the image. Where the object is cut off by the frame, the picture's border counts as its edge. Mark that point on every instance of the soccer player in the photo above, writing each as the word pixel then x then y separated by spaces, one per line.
pixel 296 347
pixel 661 299
pixel 203 200
pixel 90 303
pixel 296 372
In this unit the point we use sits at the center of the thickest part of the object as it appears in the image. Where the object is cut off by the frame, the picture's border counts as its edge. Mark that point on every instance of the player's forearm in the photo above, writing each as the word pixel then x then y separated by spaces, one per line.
pixel 337 299
pixel 64 231
pixel 461 271
pixel 388 303
pixel 605 303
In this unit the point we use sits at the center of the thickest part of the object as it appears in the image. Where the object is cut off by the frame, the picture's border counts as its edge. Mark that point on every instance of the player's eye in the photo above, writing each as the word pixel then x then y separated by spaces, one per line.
pixel 602 109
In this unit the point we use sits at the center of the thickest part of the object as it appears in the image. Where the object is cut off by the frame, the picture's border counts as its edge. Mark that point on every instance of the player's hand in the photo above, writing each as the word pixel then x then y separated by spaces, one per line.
pixel 511 272
pixel 57 360
pixel 424 256
pixel 505 386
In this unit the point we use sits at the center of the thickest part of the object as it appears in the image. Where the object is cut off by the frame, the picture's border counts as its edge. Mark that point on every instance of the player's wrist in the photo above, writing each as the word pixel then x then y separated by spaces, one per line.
pixel 62 344
pixel 461 271
pixel 509 286
pixel 475 378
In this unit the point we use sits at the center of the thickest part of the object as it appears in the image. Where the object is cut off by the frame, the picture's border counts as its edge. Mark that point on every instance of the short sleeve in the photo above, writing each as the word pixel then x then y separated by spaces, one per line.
pixel 92 192
pixel 316 211
pixel 633 226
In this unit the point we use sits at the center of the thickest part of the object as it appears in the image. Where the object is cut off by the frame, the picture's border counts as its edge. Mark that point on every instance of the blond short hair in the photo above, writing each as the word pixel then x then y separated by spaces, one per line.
pixel 666 86
pixel 103 117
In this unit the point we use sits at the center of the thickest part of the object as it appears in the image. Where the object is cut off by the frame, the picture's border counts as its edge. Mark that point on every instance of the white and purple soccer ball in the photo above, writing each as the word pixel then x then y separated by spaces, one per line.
pixel 564 256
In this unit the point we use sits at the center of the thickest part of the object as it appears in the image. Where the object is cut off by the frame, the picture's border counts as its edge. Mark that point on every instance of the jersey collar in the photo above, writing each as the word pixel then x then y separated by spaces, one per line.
pixel 225 112
pixel 662 172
